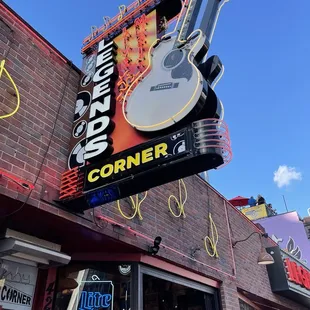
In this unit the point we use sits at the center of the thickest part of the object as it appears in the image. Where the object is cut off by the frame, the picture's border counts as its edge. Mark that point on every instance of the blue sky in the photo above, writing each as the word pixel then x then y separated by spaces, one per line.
pixel 265 48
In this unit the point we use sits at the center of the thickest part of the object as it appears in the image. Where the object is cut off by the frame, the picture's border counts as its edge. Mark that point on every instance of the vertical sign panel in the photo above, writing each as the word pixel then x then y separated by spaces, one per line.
pixel 99 128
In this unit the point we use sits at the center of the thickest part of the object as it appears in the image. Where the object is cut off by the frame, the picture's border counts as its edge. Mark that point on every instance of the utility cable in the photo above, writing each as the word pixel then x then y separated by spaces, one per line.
pixel 47 149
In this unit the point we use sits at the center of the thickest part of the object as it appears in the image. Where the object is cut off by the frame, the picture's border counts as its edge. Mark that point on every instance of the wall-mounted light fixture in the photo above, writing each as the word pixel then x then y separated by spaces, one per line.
pixel 155 248
pixel 264 258
pixel 193 251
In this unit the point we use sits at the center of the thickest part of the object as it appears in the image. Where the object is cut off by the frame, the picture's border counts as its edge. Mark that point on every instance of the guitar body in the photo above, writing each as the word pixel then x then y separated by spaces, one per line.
pixel 171 89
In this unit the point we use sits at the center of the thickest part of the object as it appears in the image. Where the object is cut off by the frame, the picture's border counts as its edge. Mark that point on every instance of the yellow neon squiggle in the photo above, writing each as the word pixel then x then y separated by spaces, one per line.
pixel 213 241
pixel 135 206
pixel 2 69
pixel 149 65
pixel 179 202
pixel 122 9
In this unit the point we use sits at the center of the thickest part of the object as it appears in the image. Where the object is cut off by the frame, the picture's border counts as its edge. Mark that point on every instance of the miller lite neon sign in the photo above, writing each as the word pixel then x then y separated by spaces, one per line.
pixel 94 301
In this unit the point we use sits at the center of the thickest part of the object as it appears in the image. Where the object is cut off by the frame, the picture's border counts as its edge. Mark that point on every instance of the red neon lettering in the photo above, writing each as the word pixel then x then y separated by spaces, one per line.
pixel 297 274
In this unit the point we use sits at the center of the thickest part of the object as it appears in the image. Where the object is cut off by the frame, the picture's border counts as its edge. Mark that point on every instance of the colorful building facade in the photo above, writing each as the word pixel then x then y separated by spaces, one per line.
pixel 169 248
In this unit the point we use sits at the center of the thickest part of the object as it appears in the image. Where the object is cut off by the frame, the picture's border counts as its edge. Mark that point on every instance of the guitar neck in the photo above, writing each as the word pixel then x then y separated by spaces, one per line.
pixel 189 19
pixel 210 17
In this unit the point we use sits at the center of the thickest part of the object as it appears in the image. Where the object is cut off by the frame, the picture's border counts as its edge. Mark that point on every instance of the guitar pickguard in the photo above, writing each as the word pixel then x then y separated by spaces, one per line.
pixel 177 62
pixel 183 70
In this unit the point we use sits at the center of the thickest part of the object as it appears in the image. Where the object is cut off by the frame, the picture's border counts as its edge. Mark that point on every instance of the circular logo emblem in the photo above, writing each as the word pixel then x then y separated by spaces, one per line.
pixel 76 157
pixel 86 80
pixel 90 63
pixel 124 269
pixel 82 104
pixel 179 147
pixel 79 129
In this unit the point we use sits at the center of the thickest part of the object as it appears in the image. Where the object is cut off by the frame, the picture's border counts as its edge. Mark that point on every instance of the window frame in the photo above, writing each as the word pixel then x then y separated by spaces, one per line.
pixel 156 273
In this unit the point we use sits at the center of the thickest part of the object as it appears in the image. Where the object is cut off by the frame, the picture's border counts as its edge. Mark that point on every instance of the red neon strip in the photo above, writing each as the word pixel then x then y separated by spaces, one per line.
pixel 17 180
pixel 164 246
pixel 34 34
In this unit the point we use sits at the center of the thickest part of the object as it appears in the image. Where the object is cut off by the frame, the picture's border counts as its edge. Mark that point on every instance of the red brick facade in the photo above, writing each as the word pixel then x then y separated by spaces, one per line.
pixel 47 83
pixel 41 77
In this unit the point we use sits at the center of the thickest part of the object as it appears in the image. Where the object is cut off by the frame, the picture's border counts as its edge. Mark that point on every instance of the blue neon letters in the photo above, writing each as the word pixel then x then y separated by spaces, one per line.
pixel 94 300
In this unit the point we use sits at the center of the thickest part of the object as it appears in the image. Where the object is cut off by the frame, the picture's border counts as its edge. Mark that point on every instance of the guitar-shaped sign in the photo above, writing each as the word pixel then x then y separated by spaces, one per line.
pixel 172 87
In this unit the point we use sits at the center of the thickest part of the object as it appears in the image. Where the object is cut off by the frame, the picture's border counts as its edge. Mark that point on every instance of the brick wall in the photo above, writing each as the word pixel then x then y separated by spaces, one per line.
pixel 40 75
pixel 184 234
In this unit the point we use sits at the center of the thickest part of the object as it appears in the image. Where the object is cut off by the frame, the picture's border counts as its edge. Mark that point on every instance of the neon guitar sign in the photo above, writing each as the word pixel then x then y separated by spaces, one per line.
pixel 172 83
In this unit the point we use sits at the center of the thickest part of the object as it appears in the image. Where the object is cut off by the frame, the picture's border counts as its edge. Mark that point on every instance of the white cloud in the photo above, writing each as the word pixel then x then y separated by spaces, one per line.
pixel 285 175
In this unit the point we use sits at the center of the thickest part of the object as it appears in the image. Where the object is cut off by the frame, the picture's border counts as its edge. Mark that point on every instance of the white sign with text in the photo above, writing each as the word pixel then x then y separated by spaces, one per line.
pixel 17 285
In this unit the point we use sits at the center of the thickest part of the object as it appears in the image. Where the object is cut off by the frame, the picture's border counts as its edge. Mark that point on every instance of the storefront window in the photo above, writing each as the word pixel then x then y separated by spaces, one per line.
pixel 105 287
pixel 245 306
pixel 159 294
pixel 113 286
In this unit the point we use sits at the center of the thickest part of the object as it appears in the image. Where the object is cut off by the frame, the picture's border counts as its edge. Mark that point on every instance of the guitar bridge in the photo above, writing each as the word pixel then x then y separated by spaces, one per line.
pixel 164 86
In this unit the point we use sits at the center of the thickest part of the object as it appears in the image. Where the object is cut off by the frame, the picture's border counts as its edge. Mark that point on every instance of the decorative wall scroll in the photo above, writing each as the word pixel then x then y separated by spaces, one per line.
pixel 135 204
pixel 94 31
pixel 122 11
pixel 180 202
pixel 211 241
pixel 106 22
pixel 3 70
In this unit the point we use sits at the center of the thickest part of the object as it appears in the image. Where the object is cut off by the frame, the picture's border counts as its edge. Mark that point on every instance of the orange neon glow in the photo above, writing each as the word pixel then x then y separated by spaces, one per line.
pixel 133 8
pixel 22 183
pixel 130 67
